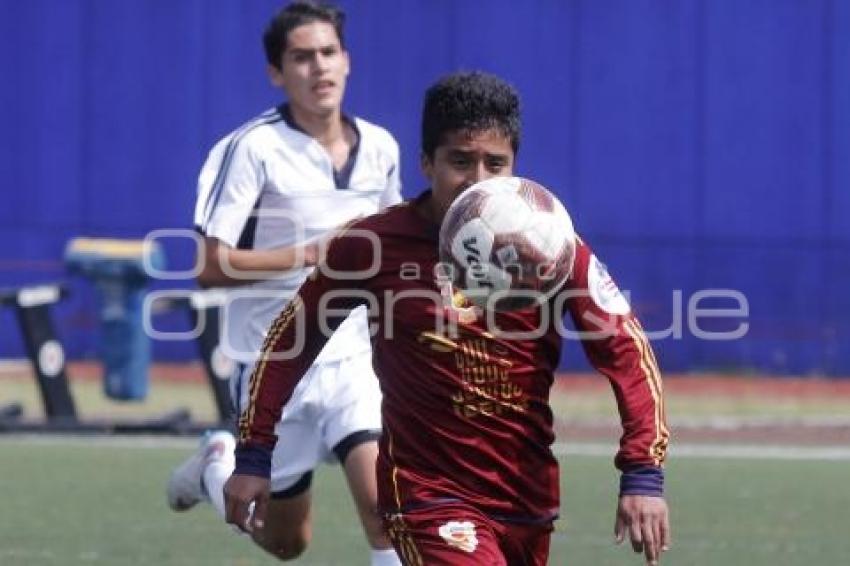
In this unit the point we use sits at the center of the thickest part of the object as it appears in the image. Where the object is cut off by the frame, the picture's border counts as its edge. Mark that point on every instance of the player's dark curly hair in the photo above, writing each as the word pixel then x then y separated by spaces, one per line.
pixel 298 14
pixel 469 101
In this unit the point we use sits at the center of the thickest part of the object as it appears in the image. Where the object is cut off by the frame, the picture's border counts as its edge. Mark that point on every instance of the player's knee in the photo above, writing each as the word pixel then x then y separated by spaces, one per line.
pixel 291 549
pixel 379 542
pixel 288 547
pixel 375 533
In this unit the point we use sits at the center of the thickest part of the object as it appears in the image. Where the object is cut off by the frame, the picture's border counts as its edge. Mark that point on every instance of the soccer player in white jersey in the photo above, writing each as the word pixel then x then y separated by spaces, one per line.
pixel 268 192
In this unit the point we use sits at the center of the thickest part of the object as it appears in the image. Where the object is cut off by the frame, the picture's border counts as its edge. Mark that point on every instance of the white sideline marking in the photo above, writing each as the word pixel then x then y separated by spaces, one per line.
pixel 737 422
pixel 677 451
pixel 104 441
pixel 725 451
pixel 725 422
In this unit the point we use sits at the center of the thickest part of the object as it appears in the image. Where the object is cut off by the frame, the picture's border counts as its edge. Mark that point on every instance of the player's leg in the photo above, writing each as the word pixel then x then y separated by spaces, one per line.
pixel 216 472
pixel 299 449
pixel 351 428
pixel 358 453
pixel 288 526
pixel 450 533
pixel 202 475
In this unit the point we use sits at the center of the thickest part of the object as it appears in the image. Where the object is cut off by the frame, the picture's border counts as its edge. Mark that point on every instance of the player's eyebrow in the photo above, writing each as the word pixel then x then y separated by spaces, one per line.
pixel 468 154
pixel 309 51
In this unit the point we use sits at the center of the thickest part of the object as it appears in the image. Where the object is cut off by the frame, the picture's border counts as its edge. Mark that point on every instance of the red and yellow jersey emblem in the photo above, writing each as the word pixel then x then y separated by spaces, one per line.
pixel 456 306
pixel 460 534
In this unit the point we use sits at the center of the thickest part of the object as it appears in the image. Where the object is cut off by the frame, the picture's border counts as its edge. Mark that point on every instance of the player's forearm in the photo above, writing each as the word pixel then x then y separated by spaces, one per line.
pixel 294 340
pixel 636 380
pixel 625 357
pixel 276 374
pixel 224 266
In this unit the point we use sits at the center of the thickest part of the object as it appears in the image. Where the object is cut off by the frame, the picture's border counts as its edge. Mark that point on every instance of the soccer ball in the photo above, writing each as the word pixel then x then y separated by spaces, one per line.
pixel 507 243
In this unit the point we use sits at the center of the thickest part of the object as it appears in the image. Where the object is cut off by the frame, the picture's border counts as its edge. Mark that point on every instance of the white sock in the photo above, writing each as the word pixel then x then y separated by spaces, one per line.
pixel 215 474
pixel 385 557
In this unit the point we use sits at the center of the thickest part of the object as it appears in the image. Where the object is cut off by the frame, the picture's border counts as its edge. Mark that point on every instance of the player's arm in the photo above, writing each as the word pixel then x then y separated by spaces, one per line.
pixel 225 266
pixel 230 186
pixel 293 341
pixel 615 344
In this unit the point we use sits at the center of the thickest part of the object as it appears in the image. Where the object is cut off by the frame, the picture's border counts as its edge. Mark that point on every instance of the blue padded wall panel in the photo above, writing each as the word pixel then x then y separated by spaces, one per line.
pixel 15 63
pixel 652 282
pixel 837 122
pixel 233 78
pixel 836 320
pixel 10 63
pixel 144 114
pixel 786 292
pixel 38 257
pixel 43 93
pixel 763 148
pixel 392 65
pixel 659 280
pixel 538 41
pixel 636 124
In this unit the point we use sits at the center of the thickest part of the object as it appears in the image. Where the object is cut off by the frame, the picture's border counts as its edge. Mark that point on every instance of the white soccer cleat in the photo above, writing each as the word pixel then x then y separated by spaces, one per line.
pixel 185 486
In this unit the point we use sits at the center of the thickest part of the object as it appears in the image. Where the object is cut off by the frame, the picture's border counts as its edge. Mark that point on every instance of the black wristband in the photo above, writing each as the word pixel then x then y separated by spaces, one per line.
pixel 253 460
pixel 647 480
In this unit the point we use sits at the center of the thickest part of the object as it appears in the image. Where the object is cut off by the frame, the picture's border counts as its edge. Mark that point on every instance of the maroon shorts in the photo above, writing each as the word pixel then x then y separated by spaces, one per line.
pixel 459 535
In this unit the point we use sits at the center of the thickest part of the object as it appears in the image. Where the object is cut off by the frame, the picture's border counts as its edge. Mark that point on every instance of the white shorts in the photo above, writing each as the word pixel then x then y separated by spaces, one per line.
pixel 333 400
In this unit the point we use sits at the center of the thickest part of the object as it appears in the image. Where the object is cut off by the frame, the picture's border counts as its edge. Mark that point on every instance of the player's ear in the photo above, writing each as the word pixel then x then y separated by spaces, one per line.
pixel 275 75
pixel 346 57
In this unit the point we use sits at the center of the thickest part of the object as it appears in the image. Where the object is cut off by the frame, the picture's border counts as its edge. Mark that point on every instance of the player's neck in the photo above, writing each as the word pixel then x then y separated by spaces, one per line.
pixel 327 129
pixel 427 209
pixel 331 131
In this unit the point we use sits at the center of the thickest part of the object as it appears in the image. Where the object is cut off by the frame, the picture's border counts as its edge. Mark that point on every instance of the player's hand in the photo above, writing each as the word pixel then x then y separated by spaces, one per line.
pixel 314 252
pixel 239 493
pixel 647 523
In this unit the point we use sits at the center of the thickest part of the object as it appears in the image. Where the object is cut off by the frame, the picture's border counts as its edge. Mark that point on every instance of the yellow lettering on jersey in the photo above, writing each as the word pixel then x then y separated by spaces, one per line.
pixel 486 387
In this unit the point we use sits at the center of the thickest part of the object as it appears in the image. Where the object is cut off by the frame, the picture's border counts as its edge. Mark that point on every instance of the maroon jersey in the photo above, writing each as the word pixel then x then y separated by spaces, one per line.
pixel 466 399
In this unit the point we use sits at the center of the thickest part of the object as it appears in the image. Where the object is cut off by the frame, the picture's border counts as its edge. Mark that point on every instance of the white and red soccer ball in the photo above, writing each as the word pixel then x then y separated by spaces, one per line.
pixel 508 243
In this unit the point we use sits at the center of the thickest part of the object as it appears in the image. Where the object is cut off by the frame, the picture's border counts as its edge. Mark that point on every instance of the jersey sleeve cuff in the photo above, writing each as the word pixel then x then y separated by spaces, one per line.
pixel 646 480
pixel 253 460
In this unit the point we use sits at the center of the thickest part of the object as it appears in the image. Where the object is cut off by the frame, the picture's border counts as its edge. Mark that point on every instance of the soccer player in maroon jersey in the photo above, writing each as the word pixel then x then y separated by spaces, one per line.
pixel 465 470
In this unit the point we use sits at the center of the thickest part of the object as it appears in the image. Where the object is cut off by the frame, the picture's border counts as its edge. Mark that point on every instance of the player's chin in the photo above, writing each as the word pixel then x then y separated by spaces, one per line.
pixel 327 101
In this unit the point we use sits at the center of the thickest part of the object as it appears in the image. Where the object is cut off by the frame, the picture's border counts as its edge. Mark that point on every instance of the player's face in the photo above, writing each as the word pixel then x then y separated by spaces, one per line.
pixel 314 68
pixel 463 159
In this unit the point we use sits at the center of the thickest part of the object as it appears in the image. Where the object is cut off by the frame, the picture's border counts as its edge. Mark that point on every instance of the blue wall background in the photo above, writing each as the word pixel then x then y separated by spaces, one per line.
pixel 697 143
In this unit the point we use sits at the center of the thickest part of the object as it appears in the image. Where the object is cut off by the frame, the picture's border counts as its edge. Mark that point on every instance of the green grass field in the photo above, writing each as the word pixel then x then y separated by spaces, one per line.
pixel 100 501
pixel 166 395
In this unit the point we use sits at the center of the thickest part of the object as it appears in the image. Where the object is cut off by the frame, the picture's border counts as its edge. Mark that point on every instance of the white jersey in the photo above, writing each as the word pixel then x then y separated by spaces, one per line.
pixel 268 184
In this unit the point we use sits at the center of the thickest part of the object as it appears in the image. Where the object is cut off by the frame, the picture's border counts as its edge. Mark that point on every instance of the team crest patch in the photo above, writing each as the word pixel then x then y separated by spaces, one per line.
pixel 460 534
pixel 456 306
pixel 603 290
